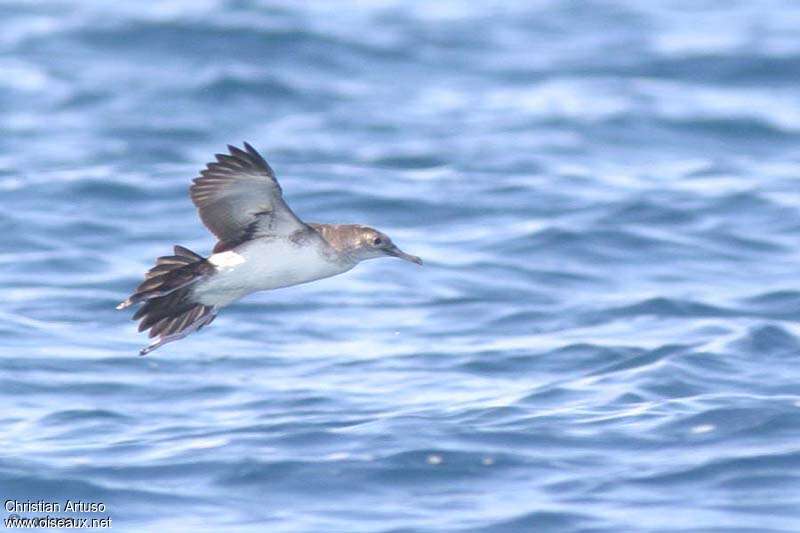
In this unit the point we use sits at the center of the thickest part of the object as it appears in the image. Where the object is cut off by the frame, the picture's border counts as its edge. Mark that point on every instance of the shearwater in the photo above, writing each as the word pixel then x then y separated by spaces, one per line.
pixel 262 245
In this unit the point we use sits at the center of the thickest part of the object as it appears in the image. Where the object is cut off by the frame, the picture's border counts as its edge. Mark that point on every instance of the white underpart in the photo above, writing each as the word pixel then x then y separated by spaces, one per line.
pixel 226 259
pixel 265 264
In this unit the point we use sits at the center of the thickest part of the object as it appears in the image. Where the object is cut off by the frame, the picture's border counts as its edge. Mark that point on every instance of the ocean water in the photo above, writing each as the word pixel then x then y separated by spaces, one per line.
pixel 604 336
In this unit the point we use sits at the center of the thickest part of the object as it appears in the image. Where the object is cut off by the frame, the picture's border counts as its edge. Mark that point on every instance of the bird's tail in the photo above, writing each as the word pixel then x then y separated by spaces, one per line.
pixel 169 311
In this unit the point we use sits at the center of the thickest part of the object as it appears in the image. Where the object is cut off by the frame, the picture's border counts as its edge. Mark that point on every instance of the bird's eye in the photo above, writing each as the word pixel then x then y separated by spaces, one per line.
pixel 377 241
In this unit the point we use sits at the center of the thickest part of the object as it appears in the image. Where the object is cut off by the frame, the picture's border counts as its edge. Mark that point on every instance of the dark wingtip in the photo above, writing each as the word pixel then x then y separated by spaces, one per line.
pixel 238 160
pixel 259 159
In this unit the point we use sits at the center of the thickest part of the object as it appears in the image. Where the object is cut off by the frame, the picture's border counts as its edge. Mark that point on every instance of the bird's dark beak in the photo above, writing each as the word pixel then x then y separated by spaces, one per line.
pixel 397 252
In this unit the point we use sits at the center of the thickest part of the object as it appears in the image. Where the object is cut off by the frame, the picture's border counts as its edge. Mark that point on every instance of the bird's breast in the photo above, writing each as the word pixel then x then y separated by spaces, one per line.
pixel 266 264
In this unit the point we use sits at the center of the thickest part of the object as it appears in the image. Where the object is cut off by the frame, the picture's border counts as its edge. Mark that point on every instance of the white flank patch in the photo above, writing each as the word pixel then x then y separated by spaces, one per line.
pixel 226 259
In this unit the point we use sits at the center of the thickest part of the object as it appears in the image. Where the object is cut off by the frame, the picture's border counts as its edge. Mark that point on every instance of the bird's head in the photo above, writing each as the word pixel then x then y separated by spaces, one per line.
pixel 368 243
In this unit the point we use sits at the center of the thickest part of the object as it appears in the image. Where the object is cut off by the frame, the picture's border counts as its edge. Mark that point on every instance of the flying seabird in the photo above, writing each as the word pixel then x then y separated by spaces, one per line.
pixel 262 245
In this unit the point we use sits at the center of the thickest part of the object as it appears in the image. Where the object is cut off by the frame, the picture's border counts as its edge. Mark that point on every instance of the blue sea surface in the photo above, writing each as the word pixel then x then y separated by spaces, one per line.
pixel 604 337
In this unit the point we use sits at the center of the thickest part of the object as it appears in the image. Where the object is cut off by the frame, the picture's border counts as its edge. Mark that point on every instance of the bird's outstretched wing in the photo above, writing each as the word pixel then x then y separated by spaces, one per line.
pixel 238 198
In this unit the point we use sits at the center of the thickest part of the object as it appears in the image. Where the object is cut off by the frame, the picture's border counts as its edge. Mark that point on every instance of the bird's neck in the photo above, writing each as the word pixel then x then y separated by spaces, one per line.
pixel 341 237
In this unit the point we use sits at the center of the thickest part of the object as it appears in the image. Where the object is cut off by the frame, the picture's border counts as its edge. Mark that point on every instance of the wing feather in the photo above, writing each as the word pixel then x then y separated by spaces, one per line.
pixel 238 198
